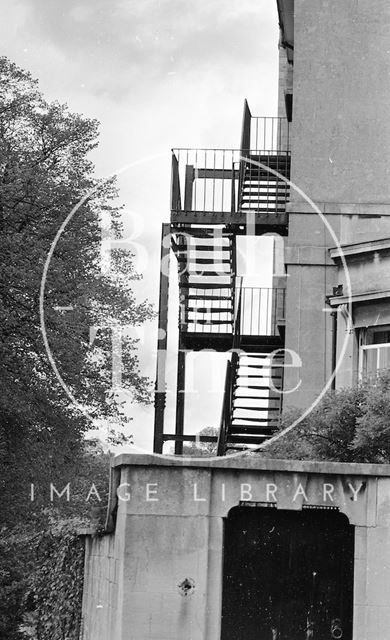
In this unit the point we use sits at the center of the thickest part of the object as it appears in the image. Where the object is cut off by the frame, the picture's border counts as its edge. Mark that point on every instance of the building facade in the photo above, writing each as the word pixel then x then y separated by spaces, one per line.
pixel 338 75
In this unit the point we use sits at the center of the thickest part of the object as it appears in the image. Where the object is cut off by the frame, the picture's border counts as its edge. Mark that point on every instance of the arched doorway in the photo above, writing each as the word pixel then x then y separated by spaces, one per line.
pixel 288 575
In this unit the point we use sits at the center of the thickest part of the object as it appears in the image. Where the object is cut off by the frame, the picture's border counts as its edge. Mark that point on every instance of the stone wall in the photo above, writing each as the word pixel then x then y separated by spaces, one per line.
pixel 340 133
pixel 159 577
pixel 101 587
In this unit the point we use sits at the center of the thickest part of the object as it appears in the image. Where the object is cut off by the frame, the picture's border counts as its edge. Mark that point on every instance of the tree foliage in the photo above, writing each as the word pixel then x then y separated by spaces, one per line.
pixel 45 172
pixel 201 449
pixel 349 425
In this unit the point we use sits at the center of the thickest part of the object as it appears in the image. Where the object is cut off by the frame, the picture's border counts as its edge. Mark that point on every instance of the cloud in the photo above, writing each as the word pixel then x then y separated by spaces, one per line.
pixel 118 46
pixel 157 74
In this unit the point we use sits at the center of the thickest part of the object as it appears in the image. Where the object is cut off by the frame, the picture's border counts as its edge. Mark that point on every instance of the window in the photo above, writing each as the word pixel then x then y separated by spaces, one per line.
pixel 374 351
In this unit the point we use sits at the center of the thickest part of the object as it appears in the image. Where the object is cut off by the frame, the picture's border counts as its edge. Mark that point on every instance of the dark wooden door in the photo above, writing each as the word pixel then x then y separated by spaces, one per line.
pixel 288 575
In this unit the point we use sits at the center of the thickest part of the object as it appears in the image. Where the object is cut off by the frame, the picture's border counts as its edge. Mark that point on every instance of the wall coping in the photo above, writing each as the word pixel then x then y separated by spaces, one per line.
pixel 252 463
pixel 370 246
pixel 367 296
pixel 365 209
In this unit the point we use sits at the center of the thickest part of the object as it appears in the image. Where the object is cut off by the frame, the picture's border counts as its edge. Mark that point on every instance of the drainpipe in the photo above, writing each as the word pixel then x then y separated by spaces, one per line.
pixel 334 346
pixel 333 315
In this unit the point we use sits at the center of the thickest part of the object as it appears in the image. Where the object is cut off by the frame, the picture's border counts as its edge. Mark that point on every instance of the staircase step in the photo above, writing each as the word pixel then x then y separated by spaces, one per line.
pixel 207 261
pixel 260 172
pixel 215 243
pixel 270 159
pixel 203 286
pixel 249 439
pixel 260 356
pixel 208 297
pixel 277 398
pixel 269 191
pixel 198 233
pixel 210 310
pixel 258 366
pixel 263 173
pixel 264 377
pixel 257 182
pixel 209 274
pixel 209 323
pixel 256 199
pixel 252 428
pixel 281 168
pixel 264 205
pixel 264 190
pixel 274 368
pixel 259 209
pixel 249 386
pixel 260 190
pixel 243 424
pixel 260 433
pixel 199 248
pixel 267 408
pixel 252 386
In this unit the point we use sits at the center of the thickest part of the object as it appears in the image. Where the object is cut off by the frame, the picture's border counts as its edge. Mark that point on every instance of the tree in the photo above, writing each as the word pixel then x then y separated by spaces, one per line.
pixel 45 171
pixel 349 425
pixel 202 449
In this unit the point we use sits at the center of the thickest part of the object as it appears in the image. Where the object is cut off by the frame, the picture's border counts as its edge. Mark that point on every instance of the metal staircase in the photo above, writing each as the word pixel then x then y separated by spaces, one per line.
pixel 254 379
pixel 256 400
pixel 262 189
pixel 217 195
pixel 206 264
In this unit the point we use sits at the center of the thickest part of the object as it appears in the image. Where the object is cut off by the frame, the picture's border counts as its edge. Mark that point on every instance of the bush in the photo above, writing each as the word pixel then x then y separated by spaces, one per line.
pixel 349 425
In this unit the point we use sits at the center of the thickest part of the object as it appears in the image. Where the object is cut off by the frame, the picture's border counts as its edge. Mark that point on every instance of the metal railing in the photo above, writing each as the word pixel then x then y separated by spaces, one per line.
pixel 264 133
pixel 261 187
pixel 205 180
pixel 207 308
pixel 230 378
pixel 211 180
pixel 212 310
pixel 261 311
pixel 227 402
pixel 223 180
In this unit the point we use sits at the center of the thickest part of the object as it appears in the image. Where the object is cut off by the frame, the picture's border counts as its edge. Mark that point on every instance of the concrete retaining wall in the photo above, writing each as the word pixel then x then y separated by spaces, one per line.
pixel 159 576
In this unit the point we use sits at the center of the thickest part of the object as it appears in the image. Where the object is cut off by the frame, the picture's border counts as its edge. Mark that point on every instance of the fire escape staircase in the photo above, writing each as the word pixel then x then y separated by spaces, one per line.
pixel 223 192
pixel 263 190
pixel 206 264
pixel 252 393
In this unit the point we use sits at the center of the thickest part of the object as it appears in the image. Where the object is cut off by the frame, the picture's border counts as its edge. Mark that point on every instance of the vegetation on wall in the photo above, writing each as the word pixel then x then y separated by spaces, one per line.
pixel 54 592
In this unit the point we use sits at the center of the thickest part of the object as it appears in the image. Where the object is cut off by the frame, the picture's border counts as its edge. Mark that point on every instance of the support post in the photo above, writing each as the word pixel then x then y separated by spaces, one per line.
pixel 180 398
pixel 188 187
pixel 162 341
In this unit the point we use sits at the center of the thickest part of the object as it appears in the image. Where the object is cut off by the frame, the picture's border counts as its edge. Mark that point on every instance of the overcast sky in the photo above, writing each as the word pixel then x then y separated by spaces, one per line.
pixel 157 74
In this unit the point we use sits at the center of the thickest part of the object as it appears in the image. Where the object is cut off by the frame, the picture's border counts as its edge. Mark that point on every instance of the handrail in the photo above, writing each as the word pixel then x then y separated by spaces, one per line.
pixel 212 180
pixel 246 131
pixel 175 186
pixel 263 132
pixel 226 412
pixel 230 376
pixel 254 311
pixel 237 315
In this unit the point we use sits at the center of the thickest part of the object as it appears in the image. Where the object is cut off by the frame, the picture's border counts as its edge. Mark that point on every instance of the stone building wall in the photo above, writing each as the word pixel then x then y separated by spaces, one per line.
pixel 101 587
